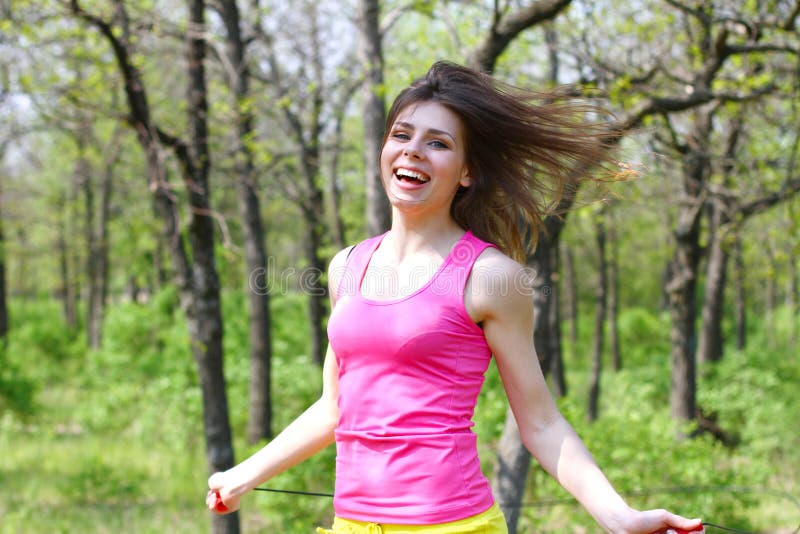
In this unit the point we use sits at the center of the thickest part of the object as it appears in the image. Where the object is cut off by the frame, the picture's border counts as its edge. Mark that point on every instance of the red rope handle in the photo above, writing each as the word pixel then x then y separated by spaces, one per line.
pixel 219 506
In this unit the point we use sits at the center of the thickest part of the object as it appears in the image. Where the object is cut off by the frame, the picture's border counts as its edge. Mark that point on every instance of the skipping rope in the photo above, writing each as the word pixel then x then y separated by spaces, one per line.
pixel 655 491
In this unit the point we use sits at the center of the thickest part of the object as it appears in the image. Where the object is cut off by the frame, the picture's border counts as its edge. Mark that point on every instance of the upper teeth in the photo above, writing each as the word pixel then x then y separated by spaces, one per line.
pixel 412 174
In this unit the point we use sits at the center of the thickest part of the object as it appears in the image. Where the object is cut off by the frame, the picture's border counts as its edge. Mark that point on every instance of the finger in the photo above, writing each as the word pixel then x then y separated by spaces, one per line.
pixel 219 506
pixel 215 481
pixel 210 500
pixel 698 528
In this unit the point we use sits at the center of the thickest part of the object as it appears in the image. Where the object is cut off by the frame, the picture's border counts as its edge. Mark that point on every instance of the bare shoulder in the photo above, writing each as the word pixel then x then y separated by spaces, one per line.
pixel 497 285
pixel 336 270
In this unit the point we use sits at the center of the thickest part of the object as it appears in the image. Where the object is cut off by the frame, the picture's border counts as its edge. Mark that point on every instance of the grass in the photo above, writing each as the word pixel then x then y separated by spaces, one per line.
pixel 112 440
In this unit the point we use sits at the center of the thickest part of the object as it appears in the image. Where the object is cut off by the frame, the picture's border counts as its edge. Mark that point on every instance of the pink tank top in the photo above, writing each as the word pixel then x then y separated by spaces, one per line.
pixel 410 371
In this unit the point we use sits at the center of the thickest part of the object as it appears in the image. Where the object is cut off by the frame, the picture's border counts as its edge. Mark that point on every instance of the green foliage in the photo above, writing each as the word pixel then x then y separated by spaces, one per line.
pixel 752 395
pixel 113 438
pixel 16 389
pixel 120 428
pixel 749 382
pixel 644 335
pixel 38 334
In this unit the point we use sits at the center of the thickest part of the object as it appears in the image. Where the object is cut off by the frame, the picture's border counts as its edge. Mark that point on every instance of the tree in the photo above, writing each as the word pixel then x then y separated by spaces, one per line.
pixel 728 214
pixel 698 78
pixel 646 104
pixel 259 417
pixel 371 52
pixel 303 92
pixel 613 294
pixel 513 459
pixel 195 276
pixel 506 26
pixel 3 291
pixel 601 305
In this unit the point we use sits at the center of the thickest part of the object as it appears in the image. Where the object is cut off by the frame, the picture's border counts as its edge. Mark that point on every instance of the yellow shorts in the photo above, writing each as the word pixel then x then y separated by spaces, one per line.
pixel 489 522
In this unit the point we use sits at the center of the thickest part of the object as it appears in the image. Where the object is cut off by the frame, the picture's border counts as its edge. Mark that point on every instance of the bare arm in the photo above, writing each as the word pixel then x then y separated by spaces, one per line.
pixel 309 433
pixel 505 308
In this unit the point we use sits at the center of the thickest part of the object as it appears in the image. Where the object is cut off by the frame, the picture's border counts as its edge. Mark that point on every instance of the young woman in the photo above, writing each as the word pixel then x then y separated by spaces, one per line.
pixel 418 312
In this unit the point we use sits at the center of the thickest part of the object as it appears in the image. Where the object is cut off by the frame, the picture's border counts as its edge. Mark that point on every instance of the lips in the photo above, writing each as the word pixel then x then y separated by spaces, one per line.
pixel 411 176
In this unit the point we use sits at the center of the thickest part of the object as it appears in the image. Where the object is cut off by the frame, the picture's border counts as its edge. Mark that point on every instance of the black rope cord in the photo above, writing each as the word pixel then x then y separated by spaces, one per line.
pixel 546 503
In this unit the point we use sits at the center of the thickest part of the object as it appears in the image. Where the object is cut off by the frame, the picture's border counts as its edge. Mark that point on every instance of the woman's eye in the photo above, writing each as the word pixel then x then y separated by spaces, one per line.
pixel 438 144
pixel 401 135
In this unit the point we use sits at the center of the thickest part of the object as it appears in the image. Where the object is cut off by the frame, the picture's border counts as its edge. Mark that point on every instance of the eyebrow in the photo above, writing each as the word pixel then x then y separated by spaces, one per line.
pixel 433 131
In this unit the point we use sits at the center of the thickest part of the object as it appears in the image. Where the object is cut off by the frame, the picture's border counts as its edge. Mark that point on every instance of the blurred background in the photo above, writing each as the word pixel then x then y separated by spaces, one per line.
pixel 176 175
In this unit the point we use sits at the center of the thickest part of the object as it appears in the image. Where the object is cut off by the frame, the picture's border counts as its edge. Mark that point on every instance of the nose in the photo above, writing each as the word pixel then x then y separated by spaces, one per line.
pixel 412 149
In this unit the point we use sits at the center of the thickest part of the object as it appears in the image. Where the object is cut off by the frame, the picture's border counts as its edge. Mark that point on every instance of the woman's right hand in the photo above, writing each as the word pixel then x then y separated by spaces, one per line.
pixel 219 498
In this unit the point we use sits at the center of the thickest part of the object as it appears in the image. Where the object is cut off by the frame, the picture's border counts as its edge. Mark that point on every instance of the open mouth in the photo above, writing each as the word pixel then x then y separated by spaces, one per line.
pixel 412 177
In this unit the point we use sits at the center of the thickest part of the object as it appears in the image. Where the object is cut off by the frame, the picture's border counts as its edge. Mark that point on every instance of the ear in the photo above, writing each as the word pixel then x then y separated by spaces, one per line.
pixel 466 179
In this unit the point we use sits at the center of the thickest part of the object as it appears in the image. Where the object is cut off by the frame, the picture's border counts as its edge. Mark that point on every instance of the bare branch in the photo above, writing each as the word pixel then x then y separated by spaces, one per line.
pixel 790 23
pixel 227 241
pixel 693 12
pixel 661 106
pixel 641 79
pixel 394 15
pixel 756 48
pixel 759 205
pixel 755 94
pixel 505 29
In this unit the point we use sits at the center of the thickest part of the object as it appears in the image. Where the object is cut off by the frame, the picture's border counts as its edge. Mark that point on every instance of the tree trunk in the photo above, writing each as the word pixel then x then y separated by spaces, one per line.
pixel 96 236
pixel 311 280
pixel 197 278
pixel 202 302
pixel 682 284
pixel 334 188
pixel 306 131
pixel 739 292
pixel 792 293
pixel 511 471
pixel 3 289
pixel 555 366
pixel 613 295
pixel 200 298
pixel 22 280
pixel 710 345
pixel 793 285
pixel 160 275
pixel 67 290
pixel 571 295
pixel 374 109
pixel 259 415
pixel 599 319
pixel 682 332
pixel 99 282
pixel 513 459
pixel 84 180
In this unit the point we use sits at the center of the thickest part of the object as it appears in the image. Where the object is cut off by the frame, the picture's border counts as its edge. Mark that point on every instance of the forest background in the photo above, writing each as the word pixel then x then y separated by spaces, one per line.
pixel 175 177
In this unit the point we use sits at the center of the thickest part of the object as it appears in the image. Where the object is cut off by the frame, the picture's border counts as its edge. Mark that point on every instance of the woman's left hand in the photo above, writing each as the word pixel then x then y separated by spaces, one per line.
pixel 657 522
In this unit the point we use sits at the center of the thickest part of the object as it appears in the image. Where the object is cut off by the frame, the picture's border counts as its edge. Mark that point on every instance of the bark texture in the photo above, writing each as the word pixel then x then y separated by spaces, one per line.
pixel 259 412
pixel 601 297
pixel 374 108
pixel 196 278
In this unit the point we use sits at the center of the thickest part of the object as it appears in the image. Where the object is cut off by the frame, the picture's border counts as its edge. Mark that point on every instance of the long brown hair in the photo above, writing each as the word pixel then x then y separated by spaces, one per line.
pixel 522 148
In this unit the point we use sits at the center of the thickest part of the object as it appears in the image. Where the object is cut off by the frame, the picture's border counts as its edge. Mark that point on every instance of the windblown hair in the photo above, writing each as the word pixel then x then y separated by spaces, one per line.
pixel 524 149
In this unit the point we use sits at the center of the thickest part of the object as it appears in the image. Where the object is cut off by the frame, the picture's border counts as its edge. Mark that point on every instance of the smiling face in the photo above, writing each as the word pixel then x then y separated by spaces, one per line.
pixel 423 162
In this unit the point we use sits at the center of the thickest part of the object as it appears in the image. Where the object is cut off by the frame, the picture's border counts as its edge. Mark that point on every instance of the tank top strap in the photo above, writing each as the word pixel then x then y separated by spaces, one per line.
pixel 461 260
pixel 356 265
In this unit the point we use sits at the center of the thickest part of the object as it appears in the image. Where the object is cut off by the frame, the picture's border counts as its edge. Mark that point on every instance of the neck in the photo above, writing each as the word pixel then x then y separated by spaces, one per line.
pixel 411 234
